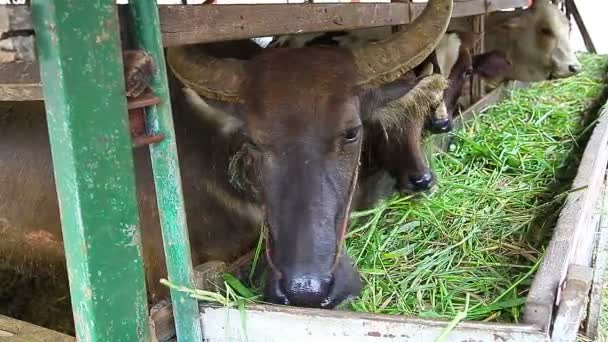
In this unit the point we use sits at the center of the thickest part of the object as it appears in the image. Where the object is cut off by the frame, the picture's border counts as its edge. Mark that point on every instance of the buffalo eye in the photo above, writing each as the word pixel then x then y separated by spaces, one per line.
pixel 546 31
pixel 352 134
pixel 468 72
pixel 252 146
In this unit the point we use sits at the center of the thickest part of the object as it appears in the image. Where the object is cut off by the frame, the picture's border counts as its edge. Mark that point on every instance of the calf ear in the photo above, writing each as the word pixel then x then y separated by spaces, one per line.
pixel 228 117
pixel 491 64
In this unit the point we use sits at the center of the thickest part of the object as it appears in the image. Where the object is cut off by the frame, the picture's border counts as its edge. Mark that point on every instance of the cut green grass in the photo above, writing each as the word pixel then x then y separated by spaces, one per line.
pixel 482 233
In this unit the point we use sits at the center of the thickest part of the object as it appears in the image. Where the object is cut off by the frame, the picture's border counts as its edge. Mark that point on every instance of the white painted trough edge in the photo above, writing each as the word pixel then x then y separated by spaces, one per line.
pixel 270 323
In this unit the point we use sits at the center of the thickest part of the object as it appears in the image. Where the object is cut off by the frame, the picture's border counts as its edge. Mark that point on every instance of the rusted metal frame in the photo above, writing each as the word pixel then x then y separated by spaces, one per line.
pixel 145 26
pixel 79 52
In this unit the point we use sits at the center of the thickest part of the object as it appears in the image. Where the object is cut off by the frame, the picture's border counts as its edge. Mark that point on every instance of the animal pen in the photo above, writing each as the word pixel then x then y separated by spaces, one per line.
pixel 89 131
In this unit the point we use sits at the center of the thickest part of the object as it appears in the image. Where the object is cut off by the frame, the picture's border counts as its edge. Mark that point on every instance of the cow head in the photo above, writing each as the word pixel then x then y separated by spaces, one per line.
pixel 302 112
pixel 537 43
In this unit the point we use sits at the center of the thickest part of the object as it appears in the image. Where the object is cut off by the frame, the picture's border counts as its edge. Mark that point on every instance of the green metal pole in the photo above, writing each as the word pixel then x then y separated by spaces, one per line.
pixel 81 68
pixel 165 164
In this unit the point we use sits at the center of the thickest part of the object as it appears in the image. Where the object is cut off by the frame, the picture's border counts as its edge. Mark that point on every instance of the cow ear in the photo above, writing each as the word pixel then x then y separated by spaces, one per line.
pixel 491 64
pixel 228 117
pixel 512 24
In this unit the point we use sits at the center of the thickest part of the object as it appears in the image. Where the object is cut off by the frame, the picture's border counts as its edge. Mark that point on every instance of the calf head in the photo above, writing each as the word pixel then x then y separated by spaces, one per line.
pixel 455 60
pixel 537 43
pixel 301 111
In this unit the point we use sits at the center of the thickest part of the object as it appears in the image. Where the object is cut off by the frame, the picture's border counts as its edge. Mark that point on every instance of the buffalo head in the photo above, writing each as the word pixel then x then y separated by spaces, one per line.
pixel 301 111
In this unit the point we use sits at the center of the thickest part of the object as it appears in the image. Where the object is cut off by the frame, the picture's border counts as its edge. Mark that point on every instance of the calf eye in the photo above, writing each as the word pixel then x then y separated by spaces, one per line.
pixel 546 31
pixel 352 134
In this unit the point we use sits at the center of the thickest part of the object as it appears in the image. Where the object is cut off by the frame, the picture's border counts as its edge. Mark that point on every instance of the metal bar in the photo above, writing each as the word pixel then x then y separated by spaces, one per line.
pixel 581 26
pixel 81 67
pixel 165 164
pixel 283 323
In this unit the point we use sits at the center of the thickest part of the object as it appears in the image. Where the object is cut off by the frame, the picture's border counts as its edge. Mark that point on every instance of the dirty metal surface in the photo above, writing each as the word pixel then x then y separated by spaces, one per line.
pixel 279 324
pixel 80 62
pixel 165 165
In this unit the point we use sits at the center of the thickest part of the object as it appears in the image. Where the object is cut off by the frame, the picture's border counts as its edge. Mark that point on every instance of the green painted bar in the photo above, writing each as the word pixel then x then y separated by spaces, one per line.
pixel 165 164
pixel 81 69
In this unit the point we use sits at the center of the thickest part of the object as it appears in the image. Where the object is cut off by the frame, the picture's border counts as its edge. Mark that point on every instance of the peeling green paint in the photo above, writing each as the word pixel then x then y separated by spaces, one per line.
pixel 91 148
pixel 165 164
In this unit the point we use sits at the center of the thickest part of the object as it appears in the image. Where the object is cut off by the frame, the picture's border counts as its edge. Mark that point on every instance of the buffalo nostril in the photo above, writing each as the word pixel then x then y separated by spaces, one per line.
pixel 422 182
pixel 441 125
pixel 574 68
pixel 307 290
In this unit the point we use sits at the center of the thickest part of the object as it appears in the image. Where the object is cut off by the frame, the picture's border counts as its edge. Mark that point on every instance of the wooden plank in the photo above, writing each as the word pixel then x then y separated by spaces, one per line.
pixel 477 85
pixel 278 323
pixel 584 248
pixel 599 271
pixel 12 330
pixel 572 306
pixel 20 81
pixel 189 24
pixel 544 293
pixel 466 8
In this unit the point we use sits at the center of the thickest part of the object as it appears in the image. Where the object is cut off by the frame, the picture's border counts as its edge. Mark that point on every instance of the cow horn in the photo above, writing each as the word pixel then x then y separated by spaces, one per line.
pixel 210 77
pixel 386 60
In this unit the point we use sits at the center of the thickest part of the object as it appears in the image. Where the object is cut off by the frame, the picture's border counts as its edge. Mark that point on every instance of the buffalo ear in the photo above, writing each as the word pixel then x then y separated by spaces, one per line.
pixel 375 98
pixel 491 64
pixel 228 117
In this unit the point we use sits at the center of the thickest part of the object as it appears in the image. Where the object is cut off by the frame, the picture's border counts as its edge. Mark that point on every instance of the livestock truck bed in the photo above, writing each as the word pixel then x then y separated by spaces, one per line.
pixel 510 232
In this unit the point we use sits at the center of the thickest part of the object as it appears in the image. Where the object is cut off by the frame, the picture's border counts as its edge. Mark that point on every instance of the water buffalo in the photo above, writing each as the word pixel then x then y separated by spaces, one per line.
pixel 282 147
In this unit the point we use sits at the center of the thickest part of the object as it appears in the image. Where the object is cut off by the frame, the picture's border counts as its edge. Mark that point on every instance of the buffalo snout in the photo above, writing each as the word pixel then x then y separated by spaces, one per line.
pixel 305 288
